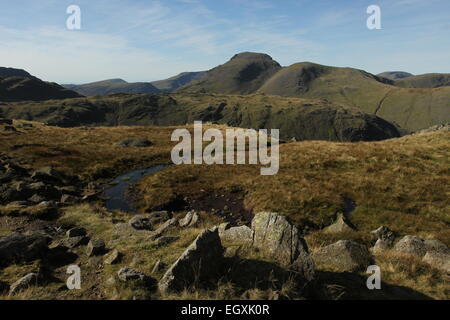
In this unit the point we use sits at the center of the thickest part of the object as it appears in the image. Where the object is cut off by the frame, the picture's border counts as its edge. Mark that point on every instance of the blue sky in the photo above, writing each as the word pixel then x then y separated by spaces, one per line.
pixel 145 40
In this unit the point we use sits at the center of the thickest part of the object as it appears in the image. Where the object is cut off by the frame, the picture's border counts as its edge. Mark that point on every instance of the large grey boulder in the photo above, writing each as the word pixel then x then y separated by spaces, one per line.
pixel 18 247
pixel 411 245
pixel 340 225
pixel 235 236
pixel 200 262
pixel 279 240
pixel 438 260
pixel 343 256
pixel 23 283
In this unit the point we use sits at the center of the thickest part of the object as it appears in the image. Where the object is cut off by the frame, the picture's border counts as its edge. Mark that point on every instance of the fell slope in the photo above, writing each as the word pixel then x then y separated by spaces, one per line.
pixel 173 83
pixel 243 74
pixel 395 75
pixel 302 119
pixel 112 86
pixel 429 80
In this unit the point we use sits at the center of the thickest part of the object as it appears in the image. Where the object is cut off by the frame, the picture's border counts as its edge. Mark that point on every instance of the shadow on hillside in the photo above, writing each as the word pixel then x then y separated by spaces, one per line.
pixel 352 286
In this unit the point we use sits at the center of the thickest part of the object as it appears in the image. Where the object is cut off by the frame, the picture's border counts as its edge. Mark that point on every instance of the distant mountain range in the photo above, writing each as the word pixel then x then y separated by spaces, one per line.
pixel 411 102
pixel 121 86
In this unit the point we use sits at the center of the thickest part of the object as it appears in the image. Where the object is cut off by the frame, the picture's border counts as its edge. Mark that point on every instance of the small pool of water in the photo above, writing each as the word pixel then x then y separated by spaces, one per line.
pixel 116 195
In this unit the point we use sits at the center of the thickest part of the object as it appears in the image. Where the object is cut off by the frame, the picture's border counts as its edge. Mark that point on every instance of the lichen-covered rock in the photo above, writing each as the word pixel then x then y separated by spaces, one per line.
pixel 411 245
pixel 382 245
pixel 23 283
pixel 200 262
pixel 343 256
pixel 113 257
pixel 140 223
pixel 438 260
pixel 190 220
pixel 127 274
pixel 279 240
pixel 340 225
pixel 383 233
pixel 236 236
pixel 436 246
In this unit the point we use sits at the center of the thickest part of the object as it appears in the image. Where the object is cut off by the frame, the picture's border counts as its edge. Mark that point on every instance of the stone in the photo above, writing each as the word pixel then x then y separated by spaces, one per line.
pixel 201 262
pixel 46 210
pixel 383 233
pixel 73 242
pixel 166 226
pixel 411 245
pixel 95 247
pixel 127 274
pixel 436 246
pixel 135 142
pixel 340 225
pixel 158 267
pixel 279 240
pixel 382 245
pixel 76 232
pixel 438 260
pixel 162 241
pixel 18 247
pixel 113 257
pixel 343 256
pixel 69 199
pixel 47 174
pixel 140 223
pixel 236 236
pixel 157 217
pixel 190 220
pixel 23 283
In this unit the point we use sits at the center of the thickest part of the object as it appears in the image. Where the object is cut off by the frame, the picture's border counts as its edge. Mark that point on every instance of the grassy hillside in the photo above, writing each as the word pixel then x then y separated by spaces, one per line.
pixel 303 119
pixel 395 75
pixel 112 86
pixel 173 83
pixel 243 74
pixel 430 80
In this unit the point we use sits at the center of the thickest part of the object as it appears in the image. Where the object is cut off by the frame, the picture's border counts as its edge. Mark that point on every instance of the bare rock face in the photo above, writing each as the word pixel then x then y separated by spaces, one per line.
pixel 340 225
pixel 278 239
pixel 438 260
pixel 19 247
pixel 23 283
pixel 343 256
pixel 411 245
pixel 200 262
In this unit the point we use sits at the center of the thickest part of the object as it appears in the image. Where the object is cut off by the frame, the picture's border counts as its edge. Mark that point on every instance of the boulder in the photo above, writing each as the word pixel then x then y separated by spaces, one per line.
pixel 438 260
pixel 47 174
pixel 157 217
pixel 236 236
pixel 95 248
pixel 113 257
pixel 383 233
pixel 76 232
pixel 23 283
pixel 72 242
pixel 436 246
pixel 140 223
pixel 190 220
pixel 277 239
pixel 382 245
pixel 343 256
pixel 201 262
pixel 411 245
pixel 340 225
pixel 25 247
pixel 135 142
pixel 127 274
pixel 166 226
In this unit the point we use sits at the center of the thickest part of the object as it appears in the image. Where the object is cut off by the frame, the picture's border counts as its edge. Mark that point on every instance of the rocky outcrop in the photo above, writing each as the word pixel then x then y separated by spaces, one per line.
pixel 95 248
pixel 235 236
pixel 438 260
pixel 140 223
pixel 277 239
pixel 113 257
pixel 411 245
pixel 190 220
pixel 25 247
pixel 343 256
pixel 201 261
